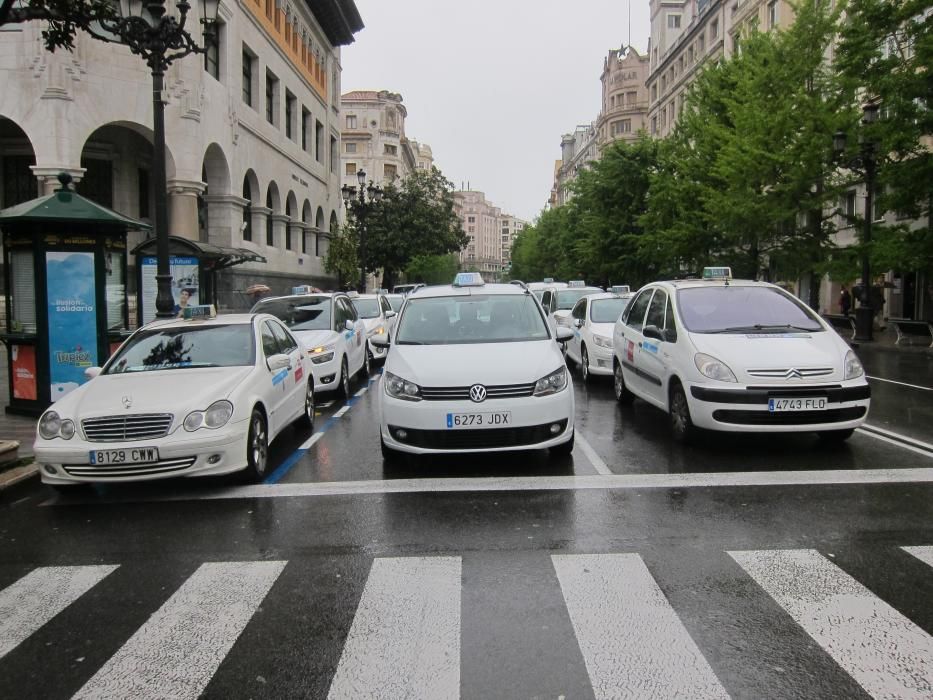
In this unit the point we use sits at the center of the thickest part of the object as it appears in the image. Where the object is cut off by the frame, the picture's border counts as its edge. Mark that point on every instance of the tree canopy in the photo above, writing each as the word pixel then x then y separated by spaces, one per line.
pixel 64 17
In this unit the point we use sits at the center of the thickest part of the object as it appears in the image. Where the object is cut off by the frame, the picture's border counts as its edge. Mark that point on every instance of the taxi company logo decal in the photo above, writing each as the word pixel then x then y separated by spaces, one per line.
pixel 477 393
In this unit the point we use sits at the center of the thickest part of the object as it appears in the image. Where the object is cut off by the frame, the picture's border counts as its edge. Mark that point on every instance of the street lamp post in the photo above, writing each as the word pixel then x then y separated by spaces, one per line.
pixel 867 162
pixel 160 39
pixel 358 203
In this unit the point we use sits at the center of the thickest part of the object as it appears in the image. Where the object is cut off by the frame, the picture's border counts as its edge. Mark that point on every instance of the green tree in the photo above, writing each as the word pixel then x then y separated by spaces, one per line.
pixel 64 18
pixel 343 256
pixel 432 269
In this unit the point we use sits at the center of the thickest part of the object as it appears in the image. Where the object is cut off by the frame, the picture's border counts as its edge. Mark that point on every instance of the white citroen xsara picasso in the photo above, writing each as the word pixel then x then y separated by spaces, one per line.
pixel 473 368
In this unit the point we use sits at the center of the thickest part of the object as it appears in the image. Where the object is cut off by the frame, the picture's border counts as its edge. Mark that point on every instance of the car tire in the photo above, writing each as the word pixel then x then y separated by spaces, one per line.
pixel 257 447
pixel 565 448
pixel 367 365
pixel 585 365
pixel 310 405
pixel 835 436
pixel 623 395
pixel 345 378
pixel 682 427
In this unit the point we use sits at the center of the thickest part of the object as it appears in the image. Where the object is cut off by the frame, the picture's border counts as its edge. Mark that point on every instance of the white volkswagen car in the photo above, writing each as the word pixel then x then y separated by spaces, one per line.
pixel 331 332
pixel 378 317
pixel 180 398
pixel 739 356
pixel 593 321
pixel 474 368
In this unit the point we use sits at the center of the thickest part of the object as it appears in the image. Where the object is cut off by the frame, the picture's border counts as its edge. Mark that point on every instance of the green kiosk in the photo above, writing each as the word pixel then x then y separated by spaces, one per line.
pixel 65 284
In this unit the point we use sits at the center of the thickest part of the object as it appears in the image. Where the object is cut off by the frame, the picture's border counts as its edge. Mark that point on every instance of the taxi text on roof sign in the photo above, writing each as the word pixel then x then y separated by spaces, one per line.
pixel 468 279
pixel 202 311
pixel 576 283
pixel 717 273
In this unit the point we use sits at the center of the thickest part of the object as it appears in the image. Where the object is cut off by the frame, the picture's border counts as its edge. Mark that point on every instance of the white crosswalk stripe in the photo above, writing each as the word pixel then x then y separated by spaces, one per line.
pixel 39 596
pixel 924 554
pixel 405 638
pixel 633 642
pixel 176 652
pixel 887 654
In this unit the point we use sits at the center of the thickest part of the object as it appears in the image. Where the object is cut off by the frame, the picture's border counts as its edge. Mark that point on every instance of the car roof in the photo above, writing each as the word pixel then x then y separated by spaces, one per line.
pixel 607 295
pixel 220 320
pixel 449 290
pixel 369 296
pixel 693 283
pixel 595 290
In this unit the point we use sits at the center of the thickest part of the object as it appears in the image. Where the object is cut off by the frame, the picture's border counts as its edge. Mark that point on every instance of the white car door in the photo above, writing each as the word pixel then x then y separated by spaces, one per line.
pixel 356 338
pixel 653 357
pixel 634 318
pixel 578 317
pixel 295 381
pixel 276 388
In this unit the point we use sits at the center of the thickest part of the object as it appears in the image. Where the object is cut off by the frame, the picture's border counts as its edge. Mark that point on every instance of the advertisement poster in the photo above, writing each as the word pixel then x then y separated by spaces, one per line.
pixel 24 372
pixel 184 285
pixel 72 319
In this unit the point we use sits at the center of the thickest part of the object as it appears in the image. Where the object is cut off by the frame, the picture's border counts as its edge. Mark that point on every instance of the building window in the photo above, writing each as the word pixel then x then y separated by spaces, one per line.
pixel 247 212
pixel 270 231
pixel 97 183
pixel 622 127
pixel 391 150
pixel 702 45
pixel 673 20
pixel 390 172
pixel 350 148
pixel 334 154
pixel 350 169
pixel 654 125
pixel 212 51
pixel 318 141
pixel 772 14
pixel 248 77
pixel 714 29
pixel 471 219
pixel 270 5
pixel 289 115
pixel 142 189
pixel 848 205
pixel 654 92
pixel 272 95
pixel 305 125
pixel 351 121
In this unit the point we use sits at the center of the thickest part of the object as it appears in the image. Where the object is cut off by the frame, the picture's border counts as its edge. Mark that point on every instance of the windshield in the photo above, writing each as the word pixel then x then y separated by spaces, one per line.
pixel 607 310
pixel 395 301
pixel 538 293
pixel 736 309
pixel 367 308
pixel 566 298
pixel 299 313
pixel 185 347
pixel 478 318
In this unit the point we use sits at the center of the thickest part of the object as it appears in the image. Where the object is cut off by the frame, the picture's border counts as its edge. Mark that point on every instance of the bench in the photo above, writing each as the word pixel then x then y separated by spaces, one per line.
pixel 908 328
pixel 841 322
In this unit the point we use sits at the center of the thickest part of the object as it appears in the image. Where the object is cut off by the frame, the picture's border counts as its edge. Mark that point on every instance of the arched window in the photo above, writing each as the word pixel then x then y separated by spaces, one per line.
pixel 247 211
pixel 270 233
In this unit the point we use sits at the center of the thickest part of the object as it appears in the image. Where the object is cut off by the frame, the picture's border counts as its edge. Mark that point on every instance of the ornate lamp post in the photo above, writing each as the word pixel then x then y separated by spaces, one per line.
pixel 160 39
pixel 358 203
pixel 865 161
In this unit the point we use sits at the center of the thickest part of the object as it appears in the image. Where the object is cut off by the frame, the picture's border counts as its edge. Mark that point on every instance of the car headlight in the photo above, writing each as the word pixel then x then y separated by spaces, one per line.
pixel 51 426
pixel 216 416
pixel 552 383
pixel 399 388
pixel 713 368
pixel 854 367
pixel 602 341
pixel 322 354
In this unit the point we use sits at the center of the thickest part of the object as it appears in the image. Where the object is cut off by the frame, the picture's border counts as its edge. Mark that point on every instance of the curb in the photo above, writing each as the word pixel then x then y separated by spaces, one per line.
pixel 17 475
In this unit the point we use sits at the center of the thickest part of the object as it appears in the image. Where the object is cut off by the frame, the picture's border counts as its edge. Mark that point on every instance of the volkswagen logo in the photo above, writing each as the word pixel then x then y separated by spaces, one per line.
pixel 127 401
pixel 477 393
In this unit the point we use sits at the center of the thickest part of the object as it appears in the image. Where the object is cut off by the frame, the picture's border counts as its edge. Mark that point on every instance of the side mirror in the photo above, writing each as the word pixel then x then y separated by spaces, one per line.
pixel 653 332
pixel 578 323
pixel 380 340
pixel 92 372
pixel 277 362
pixel 563 334
pixel 391 314
pixel 348 325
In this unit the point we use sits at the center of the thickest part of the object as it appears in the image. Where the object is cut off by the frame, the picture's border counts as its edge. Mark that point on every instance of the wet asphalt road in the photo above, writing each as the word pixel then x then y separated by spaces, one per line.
pixel 595 588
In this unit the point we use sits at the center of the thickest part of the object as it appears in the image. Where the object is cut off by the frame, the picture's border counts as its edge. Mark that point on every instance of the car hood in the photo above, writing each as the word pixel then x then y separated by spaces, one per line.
pixel 481 363
pixel 314 339
pixel 603 329
pixel 166 391
pixel 372 323
pixel 775 351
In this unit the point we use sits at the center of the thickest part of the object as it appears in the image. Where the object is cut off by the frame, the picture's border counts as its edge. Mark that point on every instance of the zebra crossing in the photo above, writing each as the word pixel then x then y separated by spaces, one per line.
pixel 405 638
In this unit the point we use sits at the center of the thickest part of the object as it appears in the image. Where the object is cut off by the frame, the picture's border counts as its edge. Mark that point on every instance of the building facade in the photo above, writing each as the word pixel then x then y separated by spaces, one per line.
pixel 577 150
pixel 480 220
pixel 509 228
pixel 624 109
pixel 252 133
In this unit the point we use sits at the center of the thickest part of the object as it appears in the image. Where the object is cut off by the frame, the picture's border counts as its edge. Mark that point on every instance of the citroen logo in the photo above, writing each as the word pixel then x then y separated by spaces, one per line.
pixel 794 373
pixel 477 393
pixel 127 401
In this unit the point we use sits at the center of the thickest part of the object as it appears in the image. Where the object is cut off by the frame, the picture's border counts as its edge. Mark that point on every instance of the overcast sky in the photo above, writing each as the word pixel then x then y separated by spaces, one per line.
pixel 491 85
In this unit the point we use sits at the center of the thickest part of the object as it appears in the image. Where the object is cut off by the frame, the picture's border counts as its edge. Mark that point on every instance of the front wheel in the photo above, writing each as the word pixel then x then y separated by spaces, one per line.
pixel 835 436
pixel 585 365
pixel 367 364
pixel 623 395
pixel 681 424
pixel 344 378
pixel 565 448
pixel 257 447
pixel 308 415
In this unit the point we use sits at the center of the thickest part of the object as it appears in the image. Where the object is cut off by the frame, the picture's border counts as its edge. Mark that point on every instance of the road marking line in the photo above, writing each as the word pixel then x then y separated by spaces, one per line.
pixel 176 652
pixel 924 554
pixel 342 411
pixel 405 638
pixel 632 640
pixel 891 381
pixel 309 443
pixel 902 445
pixel 834 477
pixel 40 595
pixel 361 391
pixel 884 651
pixel 598 464
pixel 898 436
pixel 327 404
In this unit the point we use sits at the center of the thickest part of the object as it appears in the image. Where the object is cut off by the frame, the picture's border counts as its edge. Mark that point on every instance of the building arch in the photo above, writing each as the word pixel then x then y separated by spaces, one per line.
pixel 306 214
pixel 250 193
pixel 274 205
pixel 334 223
pixel 319 220
pixel 17 156
pixel 291 211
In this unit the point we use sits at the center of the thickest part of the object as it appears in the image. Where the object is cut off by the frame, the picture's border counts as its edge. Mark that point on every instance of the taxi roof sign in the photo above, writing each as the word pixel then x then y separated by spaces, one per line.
pixel 576 283
pixel 200 311
pixel 717 273
pixel 469 279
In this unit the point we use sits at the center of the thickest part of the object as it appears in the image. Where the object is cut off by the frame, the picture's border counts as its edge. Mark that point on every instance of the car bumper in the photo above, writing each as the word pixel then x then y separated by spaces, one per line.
pixel 326 375
pixel 378 353
pixel 201 453
pixel 744 409
pixel 426 431
pixel 600 360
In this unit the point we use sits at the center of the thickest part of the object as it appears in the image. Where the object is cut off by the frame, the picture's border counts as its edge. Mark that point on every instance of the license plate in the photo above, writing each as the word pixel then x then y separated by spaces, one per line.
pixel 138 455
pixel 816 403
pixel 499 419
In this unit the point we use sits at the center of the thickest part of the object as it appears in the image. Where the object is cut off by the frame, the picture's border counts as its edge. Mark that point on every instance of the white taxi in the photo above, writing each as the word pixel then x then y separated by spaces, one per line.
pixel 739 356
pixel 558 302
pixel 593 319
pixel 378 318
pixel 180 398
pixel 331 332
pixel 473 367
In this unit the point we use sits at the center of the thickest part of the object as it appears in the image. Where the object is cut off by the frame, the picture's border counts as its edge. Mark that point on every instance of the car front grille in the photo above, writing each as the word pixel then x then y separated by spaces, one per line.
pixel 791 373
pixel 478 439
pixel 765 418
pixel 141 426
pixel 462 393
pixel 166 466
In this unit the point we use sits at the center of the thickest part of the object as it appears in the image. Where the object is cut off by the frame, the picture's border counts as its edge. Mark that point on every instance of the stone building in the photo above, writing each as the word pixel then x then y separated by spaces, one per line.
pixel 480 220
pixel 373 135
pixel 252 133
pixel 509 227
pixel 577 150
pixel 625 97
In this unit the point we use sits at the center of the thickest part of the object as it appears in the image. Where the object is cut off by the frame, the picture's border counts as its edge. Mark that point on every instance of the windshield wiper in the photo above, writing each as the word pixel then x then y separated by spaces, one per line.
pixel 408 342
pixel 766 328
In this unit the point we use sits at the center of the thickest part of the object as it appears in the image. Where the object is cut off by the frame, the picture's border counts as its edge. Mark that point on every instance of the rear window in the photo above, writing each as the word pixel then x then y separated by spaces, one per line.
pixel 566 298
pixel 299 313
pixel 607 310
pixel 739 309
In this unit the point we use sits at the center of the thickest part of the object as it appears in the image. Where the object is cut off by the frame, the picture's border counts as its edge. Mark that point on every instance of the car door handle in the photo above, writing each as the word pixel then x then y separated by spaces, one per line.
pixel 639 343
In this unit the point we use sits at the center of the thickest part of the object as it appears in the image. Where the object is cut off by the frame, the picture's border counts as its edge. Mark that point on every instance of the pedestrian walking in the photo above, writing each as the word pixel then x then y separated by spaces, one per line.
pixel 845 301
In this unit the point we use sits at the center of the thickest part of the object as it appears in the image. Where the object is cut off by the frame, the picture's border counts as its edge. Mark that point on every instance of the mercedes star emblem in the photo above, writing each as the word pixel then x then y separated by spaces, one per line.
pixel 127 401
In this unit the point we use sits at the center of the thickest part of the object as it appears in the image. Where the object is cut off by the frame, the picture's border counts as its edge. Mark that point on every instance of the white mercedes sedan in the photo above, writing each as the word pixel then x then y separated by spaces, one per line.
pixel 191 397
